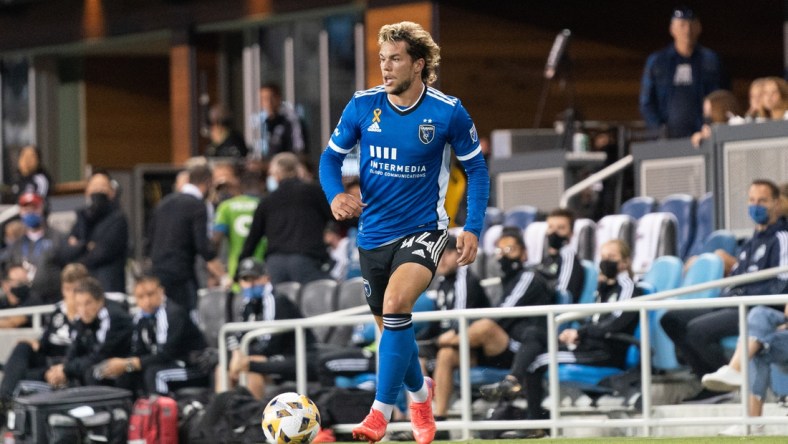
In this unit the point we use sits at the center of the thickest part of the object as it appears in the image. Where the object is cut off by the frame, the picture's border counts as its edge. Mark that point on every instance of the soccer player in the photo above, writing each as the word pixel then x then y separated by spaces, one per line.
pixel 404 129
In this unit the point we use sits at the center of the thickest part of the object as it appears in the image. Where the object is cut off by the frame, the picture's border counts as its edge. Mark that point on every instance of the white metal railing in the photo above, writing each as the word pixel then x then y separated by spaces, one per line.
pixel 553 313
pixel 602 174
pixel 36 312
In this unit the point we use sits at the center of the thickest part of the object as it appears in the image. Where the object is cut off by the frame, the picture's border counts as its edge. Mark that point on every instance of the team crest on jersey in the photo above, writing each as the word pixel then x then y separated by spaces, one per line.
pixel 367 289
pixel 426 133
pixel 474 136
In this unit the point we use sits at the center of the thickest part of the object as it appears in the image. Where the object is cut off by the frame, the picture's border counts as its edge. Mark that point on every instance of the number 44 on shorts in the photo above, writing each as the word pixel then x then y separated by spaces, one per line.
pixel 407 243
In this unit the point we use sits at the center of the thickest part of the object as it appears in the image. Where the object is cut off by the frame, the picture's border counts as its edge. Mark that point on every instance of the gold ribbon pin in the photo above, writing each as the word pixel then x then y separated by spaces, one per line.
pixel 376 115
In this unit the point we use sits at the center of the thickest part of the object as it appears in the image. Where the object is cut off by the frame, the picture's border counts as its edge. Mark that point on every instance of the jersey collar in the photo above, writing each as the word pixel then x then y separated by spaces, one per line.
pixel 411 108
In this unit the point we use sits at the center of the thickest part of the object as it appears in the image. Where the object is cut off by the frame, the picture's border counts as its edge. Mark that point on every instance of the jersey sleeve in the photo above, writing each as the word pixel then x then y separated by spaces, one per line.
pixel 342 141
pixel 465 143
pixel 222 221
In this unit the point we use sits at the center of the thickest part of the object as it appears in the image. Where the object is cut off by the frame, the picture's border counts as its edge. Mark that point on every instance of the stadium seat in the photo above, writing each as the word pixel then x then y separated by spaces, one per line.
pixel 665 274
pixel 707 267
pixel 583 236
pixel 349 294
pixel 683 206
pixel 535 240
pixel 614 226
pixel 319 297
pixel 656 236
pixel 211 313
pixel 520 216
pixel 490 238
pixel 638 207
pixel 290 289
pixel 704 224
pixel 493 216
pixel 590 277
pixel 721 240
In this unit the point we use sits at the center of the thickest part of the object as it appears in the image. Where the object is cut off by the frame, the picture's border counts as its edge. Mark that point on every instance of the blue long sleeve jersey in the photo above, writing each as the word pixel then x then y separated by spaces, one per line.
pixel 405 159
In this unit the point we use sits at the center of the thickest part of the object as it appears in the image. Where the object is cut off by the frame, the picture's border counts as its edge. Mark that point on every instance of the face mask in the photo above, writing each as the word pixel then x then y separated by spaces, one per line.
pixel 509 266
pixel 32 220
pixel 253 292
pixel 147 315
pixel 707 120
pixel 21 292
pixel 556 241
pixel 609 269
pixel 759 214
pixel 98 205
pixel 271 183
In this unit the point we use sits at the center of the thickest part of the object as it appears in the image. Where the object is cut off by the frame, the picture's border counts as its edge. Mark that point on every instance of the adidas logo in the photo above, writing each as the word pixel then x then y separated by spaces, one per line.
pixel 375 128
pixel 419 253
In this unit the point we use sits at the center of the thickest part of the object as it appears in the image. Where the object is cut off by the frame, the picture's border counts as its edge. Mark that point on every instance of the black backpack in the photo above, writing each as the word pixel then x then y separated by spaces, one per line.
pixel 233 417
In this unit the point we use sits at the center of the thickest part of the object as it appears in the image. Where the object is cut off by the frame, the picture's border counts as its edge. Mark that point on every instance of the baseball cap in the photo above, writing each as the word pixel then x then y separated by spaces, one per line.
pixel 250 267
pixel 30 198
pixel 683 13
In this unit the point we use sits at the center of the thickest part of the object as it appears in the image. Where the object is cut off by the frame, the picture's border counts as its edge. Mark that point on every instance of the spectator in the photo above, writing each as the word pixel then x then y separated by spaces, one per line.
pixel 775 98
pixel 33 178
pixel 30 359
pixel 697 333
pixel 38 250
pixel 280 127
pixel 560 266
pixel 337 245
pixel 293 217
pixel 177 234
pixel 100 237
pixel 225 141
pixel 270 356
pixel 677 78
pixel 102 330
pixel 588 344
pixel 756 112
pixel 16 294
pixel 718 107
pixel 163 344
pixel 495 341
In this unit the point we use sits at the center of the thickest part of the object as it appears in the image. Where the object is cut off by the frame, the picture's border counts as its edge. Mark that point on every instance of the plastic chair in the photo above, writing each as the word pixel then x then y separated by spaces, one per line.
pixel 638 207
pixel 319 297
pixel 589 283
pixel 683 206
pixel 493 216
pixel 656 236
pixel 535 239
pixel 520 216
pixel 614 226
pixel 349 294
pixel 665 274
pixel 583 236
pixel 290 289
pixel 707 267
pixel 704 224
pixel 721 240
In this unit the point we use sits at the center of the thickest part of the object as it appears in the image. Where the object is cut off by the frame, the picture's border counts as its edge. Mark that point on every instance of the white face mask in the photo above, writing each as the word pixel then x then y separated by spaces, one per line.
pixel 271 183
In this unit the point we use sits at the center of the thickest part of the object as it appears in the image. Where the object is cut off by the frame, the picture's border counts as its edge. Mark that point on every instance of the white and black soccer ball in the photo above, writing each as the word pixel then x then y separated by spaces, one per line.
pixel 291 418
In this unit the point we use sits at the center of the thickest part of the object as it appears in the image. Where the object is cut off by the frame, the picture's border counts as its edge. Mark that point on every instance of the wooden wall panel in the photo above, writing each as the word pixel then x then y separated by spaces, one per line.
pixel 421 13
pixel 182 101
pixel 127 113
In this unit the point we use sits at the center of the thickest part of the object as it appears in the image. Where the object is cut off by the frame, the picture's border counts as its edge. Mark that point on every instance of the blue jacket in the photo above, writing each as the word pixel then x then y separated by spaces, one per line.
pixel 657 84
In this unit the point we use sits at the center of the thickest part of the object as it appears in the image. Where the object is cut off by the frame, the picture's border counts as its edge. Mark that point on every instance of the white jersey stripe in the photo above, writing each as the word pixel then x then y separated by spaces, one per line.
pixel 471 154
pixel 338 148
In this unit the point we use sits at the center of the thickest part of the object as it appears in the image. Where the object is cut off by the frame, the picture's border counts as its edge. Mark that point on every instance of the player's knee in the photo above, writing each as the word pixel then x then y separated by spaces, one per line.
pixel 397 303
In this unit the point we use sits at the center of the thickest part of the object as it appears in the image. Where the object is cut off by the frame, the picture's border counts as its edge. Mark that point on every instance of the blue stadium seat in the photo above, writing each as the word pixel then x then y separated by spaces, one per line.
pixel 493 216
pixel 520 216
pixel 590 276
pixel 704 224
pixel 707 267
pixel 721 240
pixel 683 206
pixel 639 206
pixel 665 274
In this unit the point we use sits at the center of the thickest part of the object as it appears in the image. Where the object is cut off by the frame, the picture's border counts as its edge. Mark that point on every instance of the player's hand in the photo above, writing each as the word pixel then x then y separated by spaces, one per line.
pixel 346 206
pixel 467 245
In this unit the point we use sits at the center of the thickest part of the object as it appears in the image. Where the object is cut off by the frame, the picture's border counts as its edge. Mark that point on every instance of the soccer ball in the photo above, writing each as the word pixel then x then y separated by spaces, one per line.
pixel 291 418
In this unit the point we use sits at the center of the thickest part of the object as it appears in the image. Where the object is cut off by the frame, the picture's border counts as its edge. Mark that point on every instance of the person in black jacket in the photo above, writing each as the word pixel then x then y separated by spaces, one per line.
pixel 560 266
pixel 271 357
pixel 293 216
pixel 100 236
pixel 588 344
pixel 495 341
pixel 102 330
pixel 163 344
pixel 30 359
pixel 177 234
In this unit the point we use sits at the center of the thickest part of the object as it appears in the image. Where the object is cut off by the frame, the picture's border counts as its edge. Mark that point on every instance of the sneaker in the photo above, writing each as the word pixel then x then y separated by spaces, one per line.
pixel 508 388
pixel 741 430
pixel 421 417
pixel 324 435
pixel 525 434
pixel 372 428
pixel 725 379
pixel 709 397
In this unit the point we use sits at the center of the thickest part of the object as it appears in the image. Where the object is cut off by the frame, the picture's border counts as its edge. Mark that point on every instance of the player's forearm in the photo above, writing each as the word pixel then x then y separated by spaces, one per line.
pixel 330 172
pixel 478 193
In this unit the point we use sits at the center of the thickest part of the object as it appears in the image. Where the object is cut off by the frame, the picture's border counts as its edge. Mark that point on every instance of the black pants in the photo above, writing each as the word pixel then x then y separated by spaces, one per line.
pixel 182 292
pixel 294 267
pixel 162 379
pixel 346 362
pixel 23 363
pixel 697 335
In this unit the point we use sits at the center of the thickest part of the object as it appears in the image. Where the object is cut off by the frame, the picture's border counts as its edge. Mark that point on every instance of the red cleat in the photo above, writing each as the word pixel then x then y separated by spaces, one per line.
pixel 372 428
pixel 324 435
pixel 421 416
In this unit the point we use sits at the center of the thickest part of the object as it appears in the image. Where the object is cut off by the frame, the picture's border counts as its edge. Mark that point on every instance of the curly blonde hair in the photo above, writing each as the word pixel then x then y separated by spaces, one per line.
pixel 419 46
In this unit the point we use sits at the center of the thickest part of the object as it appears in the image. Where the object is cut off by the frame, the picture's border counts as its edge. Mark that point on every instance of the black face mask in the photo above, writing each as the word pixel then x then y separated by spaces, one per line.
pixel 22 292
pixel 609 269
pixel 99 206
pixel 556 241
pixel 707 120
pixel 509 266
